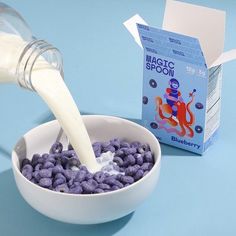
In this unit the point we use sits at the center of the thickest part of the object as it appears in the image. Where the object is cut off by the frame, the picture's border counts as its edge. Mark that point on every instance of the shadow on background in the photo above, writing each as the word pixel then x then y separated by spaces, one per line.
pixel 18 218
pixel 5 152
pixel 168 150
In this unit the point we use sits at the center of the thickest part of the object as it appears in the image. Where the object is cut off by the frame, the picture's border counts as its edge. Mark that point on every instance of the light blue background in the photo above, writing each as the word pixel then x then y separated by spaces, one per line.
pixel 196 195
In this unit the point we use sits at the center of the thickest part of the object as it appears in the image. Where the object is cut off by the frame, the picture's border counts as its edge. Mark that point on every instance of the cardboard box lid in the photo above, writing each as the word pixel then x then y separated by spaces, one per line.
pixel 205 24
pixel 172 45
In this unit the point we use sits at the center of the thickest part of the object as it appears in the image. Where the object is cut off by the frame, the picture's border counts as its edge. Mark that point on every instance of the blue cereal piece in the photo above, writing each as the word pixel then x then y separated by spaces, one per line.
pixel 80 176
pixel 88 176
pixel 145 147
pixel 130 159
pixel 127 179
pixel 70 174
pixel 63 188
pixel 124 144
pixel 141 150
pixel 58 181
pixel 51 159
pixel 119 153
pixel 70 183
pixel 118 160
pixel 45 156
pixel 24 162
pixel 36 159
pixel 68 153
pixel 73 161
pixel 114 187
pixel 48 165
pixel 130 171
pixel 27 174
pixel 56 148
pixel 76 189
pixel 104 186
pixel 45 173
pixel 148 157
pixel 105 144
pixel 97 148
pixel 109 148
pixel 27 168
pixel 60 175
pixel 36 175
pixel 38 167
pixel 45 182
pixel 135 144
pixel 115 143
pixel 99 176
pixel 131 151
pixel 57 169
pixel 88 187
pixel 118 184
pixel 138 175
pixel 84 168
pixel 33 180
pixel 111 180
pixel 98 190
pixel 146 166
pixel 139 158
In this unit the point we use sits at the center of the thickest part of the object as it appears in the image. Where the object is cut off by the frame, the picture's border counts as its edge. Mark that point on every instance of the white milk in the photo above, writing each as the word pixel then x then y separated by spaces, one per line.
pixel 10 44
pixel 50 86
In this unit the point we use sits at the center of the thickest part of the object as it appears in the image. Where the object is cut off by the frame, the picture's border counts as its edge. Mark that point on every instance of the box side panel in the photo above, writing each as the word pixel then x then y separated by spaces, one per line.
pixel 213 105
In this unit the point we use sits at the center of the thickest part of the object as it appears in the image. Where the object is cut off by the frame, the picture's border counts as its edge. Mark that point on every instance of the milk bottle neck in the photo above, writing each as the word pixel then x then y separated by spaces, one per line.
pixel 37 55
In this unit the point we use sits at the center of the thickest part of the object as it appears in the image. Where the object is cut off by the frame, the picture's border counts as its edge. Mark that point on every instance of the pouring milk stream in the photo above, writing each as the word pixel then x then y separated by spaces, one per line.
pixel 22 61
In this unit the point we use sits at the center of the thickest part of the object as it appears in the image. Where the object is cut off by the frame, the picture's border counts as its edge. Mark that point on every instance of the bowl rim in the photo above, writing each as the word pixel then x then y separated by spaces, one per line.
pixel 155 166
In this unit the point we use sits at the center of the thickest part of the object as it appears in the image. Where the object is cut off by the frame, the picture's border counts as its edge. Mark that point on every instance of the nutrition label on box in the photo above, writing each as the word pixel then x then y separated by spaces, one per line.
pixel 213 102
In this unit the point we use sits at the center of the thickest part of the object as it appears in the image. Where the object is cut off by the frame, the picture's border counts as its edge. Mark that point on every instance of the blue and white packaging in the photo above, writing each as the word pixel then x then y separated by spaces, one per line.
pixel 182 74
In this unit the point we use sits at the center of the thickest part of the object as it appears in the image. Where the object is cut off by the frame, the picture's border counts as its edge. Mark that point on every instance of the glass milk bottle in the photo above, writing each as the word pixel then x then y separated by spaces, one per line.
pixel 20 49
pixel 37 65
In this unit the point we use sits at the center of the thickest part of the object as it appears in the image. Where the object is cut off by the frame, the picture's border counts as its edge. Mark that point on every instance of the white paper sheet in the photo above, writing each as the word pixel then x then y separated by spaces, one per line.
pixel 131 25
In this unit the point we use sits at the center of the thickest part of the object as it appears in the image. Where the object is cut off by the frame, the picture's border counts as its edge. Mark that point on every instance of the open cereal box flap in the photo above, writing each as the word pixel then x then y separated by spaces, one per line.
pixel 131 25
pixel 205 24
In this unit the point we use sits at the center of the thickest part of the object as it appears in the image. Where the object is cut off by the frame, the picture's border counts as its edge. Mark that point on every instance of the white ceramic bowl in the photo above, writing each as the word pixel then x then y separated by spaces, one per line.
pixel 86 209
